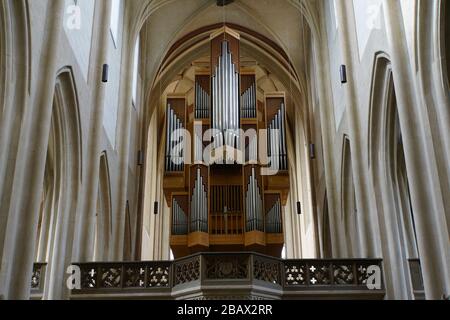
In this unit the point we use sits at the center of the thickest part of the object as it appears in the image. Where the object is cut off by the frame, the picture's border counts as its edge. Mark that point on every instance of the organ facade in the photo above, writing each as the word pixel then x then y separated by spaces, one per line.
pixel 226 165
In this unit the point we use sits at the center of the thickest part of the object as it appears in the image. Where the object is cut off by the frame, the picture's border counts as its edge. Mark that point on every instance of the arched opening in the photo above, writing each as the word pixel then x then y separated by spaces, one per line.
pixel 349 209
pixel 61 187
pixel 103 223
pixel 261 48
pixel 390 182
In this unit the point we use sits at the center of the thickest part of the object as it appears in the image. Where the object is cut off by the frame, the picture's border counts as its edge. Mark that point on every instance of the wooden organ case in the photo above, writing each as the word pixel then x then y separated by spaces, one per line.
pixel 222 198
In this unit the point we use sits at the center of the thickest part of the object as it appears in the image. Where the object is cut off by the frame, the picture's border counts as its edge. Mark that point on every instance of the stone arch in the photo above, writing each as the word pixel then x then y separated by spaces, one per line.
pixel 103 222
pixel 172 61
pixel 61 186
pixel 15 69
pixel 432 53
pixel 390 181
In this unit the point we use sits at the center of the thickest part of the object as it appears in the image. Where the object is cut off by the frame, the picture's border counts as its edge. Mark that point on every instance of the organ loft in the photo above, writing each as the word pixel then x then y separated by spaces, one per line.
pixel 226 165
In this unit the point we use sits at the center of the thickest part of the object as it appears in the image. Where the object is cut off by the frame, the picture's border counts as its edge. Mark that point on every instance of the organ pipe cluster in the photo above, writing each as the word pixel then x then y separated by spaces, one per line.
pixel 277 150
pixel 273 219
pixel 202 102
pixel 254 205
pixel 248 102
pixel 199 206
pixel 174 134
pixel 179 219
pixel 225 102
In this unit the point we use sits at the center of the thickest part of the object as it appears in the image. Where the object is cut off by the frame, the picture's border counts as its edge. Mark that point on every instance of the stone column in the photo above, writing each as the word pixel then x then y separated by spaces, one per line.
pixel 328 132
pixel 21 233
pixel 123 147
pixel 427 203
pixel 349 51
pixel 86 219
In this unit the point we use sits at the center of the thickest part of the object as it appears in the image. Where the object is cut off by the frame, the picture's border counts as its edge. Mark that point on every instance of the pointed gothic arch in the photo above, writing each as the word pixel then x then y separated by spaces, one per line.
pixel 348 201
pixel 390 180
pixel 62 183
pixel 103 222
pixel 15 66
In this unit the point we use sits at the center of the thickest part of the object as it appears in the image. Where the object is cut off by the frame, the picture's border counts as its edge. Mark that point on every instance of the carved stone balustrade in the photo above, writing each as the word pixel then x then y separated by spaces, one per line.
pixel 231 276
pixel 38 280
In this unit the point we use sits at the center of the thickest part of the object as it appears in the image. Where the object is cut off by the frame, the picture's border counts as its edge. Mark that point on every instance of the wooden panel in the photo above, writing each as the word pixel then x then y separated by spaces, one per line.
pixel 224 240
pixel 273 238
pixel 247 81
pixel 255 238
pixel 198 239
pixel 178 105
pixel 205 82
pixel 272 106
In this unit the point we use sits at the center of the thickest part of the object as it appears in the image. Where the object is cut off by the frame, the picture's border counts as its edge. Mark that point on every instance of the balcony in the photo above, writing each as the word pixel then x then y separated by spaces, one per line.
pixel 228 276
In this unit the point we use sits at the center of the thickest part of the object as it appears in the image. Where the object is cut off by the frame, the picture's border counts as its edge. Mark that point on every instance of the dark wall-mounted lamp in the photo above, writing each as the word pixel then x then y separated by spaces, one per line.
pixel 140 158
pixel 222 3
pixel 343 73
pixel 156 208
pixel 105 73
pixel 299 208
pixel 312 151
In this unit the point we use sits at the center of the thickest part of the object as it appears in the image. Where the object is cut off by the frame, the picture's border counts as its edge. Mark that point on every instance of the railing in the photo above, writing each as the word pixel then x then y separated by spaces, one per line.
pixel 226 213
pixel 38 279
pixel 125 275
pixel 229 223
pixel 217 270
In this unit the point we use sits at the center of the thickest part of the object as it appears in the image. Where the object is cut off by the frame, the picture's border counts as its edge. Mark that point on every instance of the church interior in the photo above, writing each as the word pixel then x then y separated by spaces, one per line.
pixel 225 149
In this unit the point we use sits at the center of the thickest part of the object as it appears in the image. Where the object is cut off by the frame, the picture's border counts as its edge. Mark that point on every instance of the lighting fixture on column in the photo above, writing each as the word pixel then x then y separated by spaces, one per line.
pixel 343 73
pixel 105 73
pixel 299 208
pixel 312 151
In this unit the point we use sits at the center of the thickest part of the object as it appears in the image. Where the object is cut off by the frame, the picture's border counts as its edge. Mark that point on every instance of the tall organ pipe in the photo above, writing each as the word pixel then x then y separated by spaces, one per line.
pixel 225 87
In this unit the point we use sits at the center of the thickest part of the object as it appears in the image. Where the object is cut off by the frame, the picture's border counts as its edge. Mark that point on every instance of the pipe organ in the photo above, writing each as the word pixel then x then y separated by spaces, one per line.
pixel 232 205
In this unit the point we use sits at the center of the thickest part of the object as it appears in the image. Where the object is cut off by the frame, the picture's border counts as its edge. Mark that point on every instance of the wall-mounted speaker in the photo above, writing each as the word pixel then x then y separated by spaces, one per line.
pixel 222 3
pixel 299 208
pixel 140 158
pixel 105 73
pixel 156 208
pixel 343 73
pixel 312 151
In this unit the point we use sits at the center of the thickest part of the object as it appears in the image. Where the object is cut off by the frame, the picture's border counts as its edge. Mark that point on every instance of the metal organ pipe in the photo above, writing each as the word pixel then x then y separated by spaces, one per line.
pixel 174 150
pixel 274 218
pixel 283 137
pixel 225 90
pixel 199 206
pixel 179 221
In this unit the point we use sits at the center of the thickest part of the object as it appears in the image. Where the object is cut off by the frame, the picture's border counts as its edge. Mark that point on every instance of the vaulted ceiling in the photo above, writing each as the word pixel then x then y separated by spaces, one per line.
pixel 275 25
